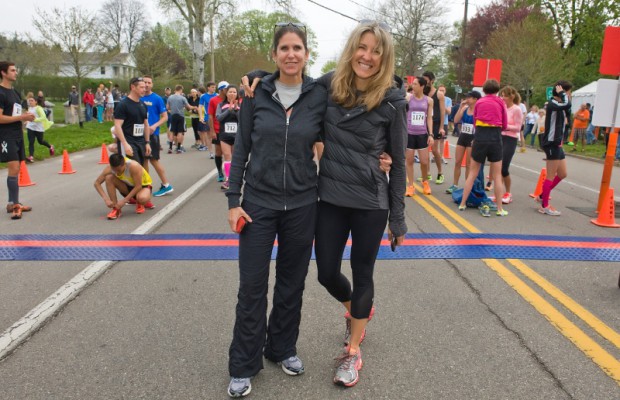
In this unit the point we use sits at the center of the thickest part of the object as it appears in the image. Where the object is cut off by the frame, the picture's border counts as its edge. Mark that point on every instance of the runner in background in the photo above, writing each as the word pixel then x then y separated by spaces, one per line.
pixel 439 114
pixel 203 126
pixel 419 124
pixel 214 127
pixel 465 117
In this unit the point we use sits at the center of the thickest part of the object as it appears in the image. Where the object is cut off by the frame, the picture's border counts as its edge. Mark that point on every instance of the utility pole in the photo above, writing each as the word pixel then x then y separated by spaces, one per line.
pixel 463 34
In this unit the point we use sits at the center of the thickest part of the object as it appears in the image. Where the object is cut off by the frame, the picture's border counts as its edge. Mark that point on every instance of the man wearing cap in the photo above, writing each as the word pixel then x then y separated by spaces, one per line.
pixel 214 126
pixel 177 104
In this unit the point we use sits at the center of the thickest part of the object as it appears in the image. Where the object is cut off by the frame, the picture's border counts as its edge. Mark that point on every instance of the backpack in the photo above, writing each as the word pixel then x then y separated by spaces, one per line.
pixel 477 196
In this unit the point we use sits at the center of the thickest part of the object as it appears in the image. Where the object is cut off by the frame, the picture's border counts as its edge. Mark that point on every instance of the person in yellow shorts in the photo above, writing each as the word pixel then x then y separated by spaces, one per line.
pixel 122 175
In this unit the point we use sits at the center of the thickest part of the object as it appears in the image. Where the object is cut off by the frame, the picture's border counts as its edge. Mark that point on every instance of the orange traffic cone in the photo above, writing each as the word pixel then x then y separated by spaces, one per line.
pixel 607 215
pixel 539 185
pixel 446 150
pixel 66 164
pixel 24 177
pixel 105 159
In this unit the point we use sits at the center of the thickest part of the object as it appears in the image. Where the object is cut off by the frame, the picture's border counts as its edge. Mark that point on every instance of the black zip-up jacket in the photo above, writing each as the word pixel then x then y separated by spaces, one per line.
pixel 350 173
pixel 273 153
pixel 554 121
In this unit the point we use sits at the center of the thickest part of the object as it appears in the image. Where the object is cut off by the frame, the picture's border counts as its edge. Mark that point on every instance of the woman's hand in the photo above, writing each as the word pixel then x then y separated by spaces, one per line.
pixel 385 162
pixel 430 140
pixel 233 216
pixel 399 239
pixel 249 90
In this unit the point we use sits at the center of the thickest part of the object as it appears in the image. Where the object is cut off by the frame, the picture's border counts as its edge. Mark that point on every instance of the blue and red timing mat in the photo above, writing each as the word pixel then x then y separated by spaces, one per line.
pixel 224 247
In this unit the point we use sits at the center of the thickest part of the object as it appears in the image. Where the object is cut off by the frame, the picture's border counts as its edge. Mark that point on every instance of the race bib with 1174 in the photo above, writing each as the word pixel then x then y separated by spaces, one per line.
pixel 417 118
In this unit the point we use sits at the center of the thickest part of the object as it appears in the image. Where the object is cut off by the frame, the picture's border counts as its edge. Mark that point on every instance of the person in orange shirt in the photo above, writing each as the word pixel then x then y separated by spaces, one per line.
pixel 580 124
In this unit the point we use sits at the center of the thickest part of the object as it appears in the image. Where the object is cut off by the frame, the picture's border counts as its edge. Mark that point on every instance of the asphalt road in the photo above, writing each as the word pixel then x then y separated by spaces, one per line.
pixel 444 329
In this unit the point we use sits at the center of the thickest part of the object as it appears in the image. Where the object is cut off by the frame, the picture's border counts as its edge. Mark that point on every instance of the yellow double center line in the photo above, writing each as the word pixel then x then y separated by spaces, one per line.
pixel 608 363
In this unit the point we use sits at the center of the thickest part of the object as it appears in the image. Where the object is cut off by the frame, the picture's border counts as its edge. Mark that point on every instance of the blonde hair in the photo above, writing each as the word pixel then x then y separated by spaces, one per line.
pixel 511 92
pixel 344 91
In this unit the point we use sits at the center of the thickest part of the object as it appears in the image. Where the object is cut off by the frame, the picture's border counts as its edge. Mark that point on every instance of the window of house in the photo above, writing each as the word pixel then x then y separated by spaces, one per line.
pixel 102 70
pixel 115 71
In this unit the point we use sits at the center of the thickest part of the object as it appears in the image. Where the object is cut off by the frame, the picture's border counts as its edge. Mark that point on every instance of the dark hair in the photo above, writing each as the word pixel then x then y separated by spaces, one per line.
pixel 429 75
pixel 116 160
pixel 566 85
pixel 290 28
pixel 422 81
pixel 202 90
pixel 4 67
pixel 178 87
pixel 210 83
pixel 491 86
pixel 234 87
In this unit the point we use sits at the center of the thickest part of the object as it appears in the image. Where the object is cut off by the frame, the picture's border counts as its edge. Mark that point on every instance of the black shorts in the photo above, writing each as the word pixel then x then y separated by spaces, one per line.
pixel 436 126
pixel 227 138
pixel 139 151
pixel 177 124
pixel 554 152
pixel 482 151
pixel 12 150
pixel 465 140
pixel 417 142
pixel 130 188
pixel 202 127
pixel 155 147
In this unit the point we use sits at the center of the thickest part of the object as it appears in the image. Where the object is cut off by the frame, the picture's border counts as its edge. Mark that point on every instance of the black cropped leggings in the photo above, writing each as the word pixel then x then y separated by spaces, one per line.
pixel 366 227
pixel 38 136
pixel 509 146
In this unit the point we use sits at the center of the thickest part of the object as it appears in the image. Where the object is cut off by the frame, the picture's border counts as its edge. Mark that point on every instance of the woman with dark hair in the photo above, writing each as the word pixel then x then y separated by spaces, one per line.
pixel 510 136
pixel 227 114
pixel 273 162
pixel 36 128
pixel 419 134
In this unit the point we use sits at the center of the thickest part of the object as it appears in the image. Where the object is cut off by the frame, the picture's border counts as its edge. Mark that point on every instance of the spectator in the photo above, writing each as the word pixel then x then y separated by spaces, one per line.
pixel 89 102
pixel 74 105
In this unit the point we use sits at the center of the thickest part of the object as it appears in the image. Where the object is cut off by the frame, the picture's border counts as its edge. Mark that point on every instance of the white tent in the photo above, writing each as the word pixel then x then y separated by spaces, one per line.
pixel 586 94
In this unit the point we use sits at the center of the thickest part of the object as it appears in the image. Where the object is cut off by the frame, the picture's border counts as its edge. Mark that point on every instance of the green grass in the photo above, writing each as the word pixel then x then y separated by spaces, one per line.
pixel 72 138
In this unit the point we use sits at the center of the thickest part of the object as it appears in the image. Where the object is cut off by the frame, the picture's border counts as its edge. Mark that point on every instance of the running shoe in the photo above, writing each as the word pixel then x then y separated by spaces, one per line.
pixel 347 367
pixel 485 211
pixel 140 209
pixel 410 191
pixel 11 207
pixel 181 148
pixel 347 331
pixel 440 179
pixel 451 189
pixel 501 213
pixel 17 212
pixel 570 144
pixel 114 214
pixel 52 150
pixel 149 205
pixel 224 186
pixel 549 211
pixel 30 159
pixel 429 177
pixel 292 366
pixel 195 146
pixel 164 190
pixel 239 387
pixel 221 177
pixel 488 186
pixel 416 159
pixel 202 148
pixel 211 156
pixel 444 161
pixel 507 198
pixel 427 188
pixel 169 151
pixel 462 207
pixel 132 201
pixel 522 150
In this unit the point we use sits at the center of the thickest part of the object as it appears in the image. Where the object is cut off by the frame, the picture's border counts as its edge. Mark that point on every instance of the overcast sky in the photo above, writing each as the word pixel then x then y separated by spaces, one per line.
pixel 331 28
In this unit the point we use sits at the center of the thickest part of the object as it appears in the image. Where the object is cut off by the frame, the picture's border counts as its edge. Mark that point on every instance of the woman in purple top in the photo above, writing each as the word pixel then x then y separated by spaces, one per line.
pixel 419 124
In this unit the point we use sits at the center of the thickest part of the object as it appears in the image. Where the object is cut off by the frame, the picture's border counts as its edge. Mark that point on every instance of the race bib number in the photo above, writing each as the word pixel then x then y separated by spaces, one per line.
pixel 467 128
pixel 17 110
pixel 138 129
pixel 230 127
pixel 417 118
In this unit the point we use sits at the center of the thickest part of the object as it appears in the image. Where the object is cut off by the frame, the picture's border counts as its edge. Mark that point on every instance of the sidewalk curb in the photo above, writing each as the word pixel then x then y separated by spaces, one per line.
pixel 21 330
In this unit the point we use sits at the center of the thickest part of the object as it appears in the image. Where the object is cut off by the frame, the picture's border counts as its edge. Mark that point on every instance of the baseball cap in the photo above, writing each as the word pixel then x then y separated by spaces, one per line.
pixel 475 94
pixel 222 85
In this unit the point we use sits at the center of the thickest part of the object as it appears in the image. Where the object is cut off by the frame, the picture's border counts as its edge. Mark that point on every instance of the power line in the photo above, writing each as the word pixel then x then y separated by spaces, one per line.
pixel 334 11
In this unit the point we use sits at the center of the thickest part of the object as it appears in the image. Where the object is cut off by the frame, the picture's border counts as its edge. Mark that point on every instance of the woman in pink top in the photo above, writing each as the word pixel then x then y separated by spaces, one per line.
pixel 510 135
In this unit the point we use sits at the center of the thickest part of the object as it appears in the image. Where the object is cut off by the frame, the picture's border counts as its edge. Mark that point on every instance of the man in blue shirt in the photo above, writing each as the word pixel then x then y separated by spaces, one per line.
pixel 203 125
pixel 157 116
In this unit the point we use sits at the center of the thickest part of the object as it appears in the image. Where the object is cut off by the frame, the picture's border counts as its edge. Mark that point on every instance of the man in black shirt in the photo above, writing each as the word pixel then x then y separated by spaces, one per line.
pixel 12 149
pixel 131 126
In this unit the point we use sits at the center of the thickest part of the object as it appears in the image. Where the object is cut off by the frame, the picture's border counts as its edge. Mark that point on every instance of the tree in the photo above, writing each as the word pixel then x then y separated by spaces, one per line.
pixel 74 32
pixel 418 31
pixel 123 24
pixel 499 13
pixel 529 68
pixel 31 57
pixel 157 57
pixel 198 14
pixel 329 66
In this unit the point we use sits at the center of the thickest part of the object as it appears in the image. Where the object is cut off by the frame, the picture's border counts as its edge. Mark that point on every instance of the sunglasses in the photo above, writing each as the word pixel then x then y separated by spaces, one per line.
pixel 280 25
pixel 133 81
pixel 380 24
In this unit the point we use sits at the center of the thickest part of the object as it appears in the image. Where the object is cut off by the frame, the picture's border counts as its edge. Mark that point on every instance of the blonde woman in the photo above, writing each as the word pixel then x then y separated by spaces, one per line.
pixel 365 117
pixel 510 136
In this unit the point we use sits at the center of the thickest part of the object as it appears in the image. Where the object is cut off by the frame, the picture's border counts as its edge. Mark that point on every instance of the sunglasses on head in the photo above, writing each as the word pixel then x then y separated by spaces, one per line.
pixel 380 24
pixel 280 25
pixel 133 81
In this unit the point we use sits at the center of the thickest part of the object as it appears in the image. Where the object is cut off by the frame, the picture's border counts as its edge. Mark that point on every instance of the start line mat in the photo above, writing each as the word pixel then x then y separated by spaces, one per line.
pixel 129 247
